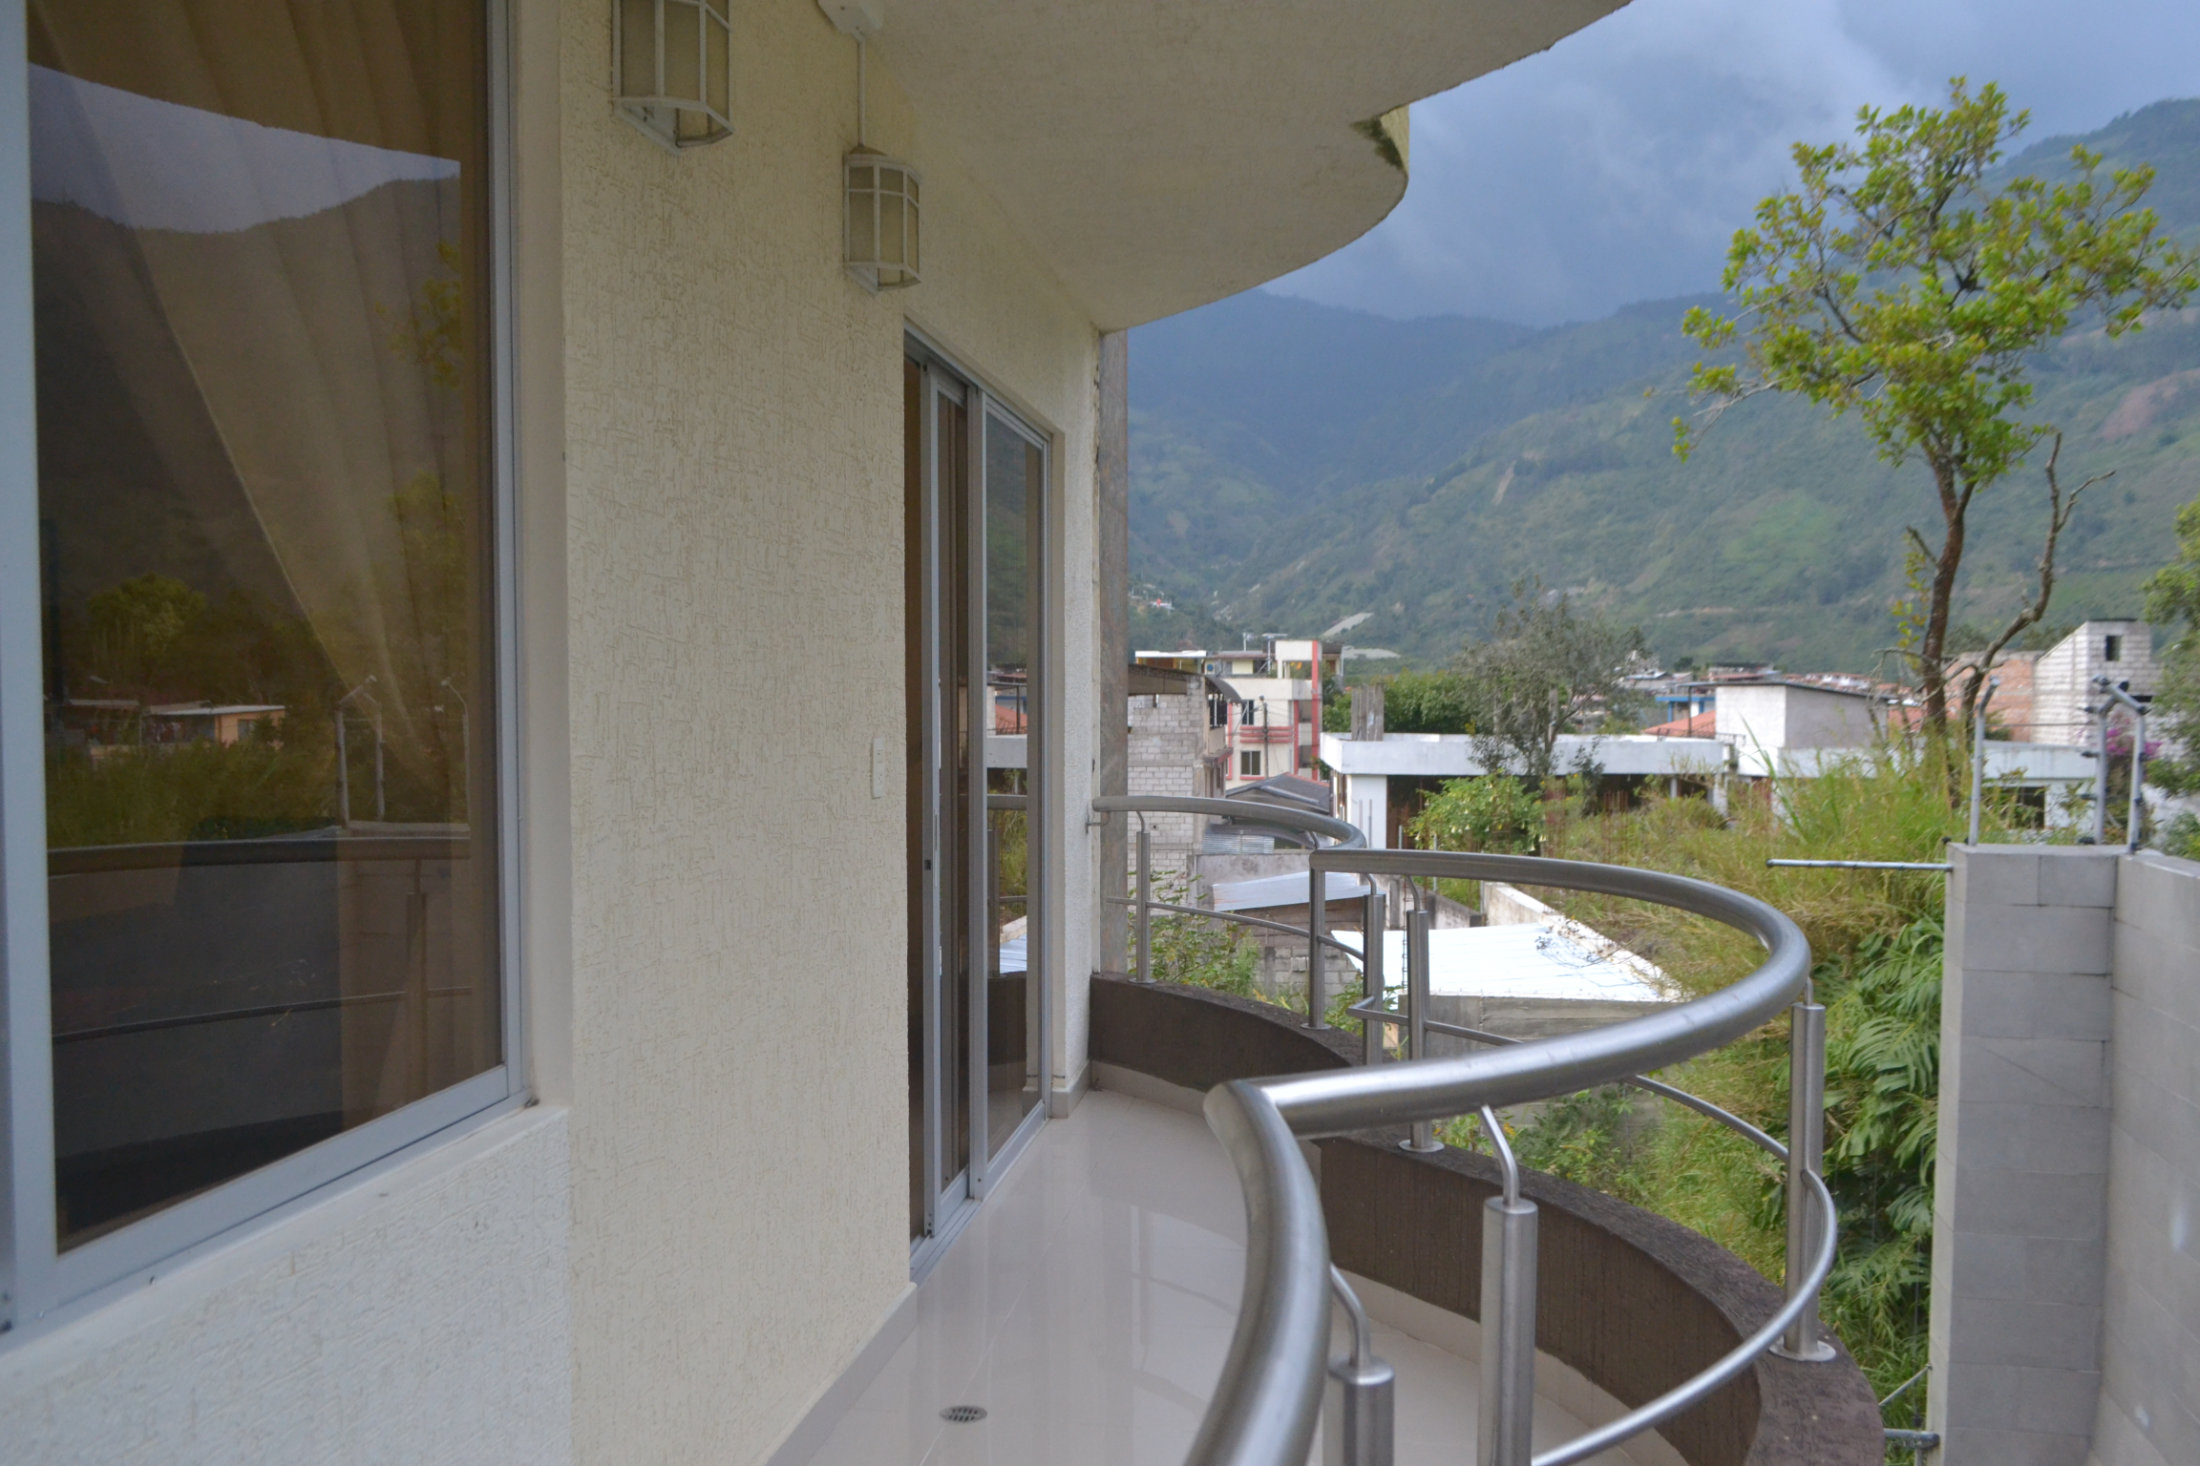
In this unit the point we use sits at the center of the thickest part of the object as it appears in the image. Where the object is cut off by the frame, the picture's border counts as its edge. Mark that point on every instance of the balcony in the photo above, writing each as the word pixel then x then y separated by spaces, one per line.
pixel 1309 1276
pixel 1089 1308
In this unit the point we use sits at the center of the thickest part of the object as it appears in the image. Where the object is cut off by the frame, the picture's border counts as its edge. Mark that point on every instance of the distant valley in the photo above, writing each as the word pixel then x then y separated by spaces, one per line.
pixel 1294 464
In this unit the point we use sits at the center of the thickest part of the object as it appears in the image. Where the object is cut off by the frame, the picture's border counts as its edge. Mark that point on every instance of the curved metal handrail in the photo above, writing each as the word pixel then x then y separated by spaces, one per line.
pixel 1265 1405
pixel 1336 1101
pixel 1344 834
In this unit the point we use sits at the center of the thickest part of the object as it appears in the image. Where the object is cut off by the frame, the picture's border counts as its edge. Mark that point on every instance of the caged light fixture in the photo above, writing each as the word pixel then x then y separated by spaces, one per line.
pixel 672 68
pixel 880 217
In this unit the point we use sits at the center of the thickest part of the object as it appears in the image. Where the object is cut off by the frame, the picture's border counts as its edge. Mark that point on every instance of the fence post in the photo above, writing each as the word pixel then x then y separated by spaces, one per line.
pixel 1978 754
pixel 2133 821
pixel 1806 1156
pixel 2100 762
pixel 1143 914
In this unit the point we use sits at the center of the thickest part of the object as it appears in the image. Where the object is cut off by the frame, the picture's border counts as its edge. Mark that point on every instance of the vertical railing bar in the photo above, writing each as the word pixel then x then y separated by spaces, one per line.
pixel 1359 1413
pixel 1806 1158
pixel 1371 974
pixel 1144 911
pixel 1317 925
pixel 1422 1135
pixel 1507 1413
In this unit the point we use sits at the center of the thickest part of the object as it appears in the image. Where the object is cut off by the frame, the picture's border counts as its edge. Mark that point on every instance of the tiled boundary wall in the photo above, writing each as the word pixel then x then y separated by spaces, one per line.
pixel 2066 1256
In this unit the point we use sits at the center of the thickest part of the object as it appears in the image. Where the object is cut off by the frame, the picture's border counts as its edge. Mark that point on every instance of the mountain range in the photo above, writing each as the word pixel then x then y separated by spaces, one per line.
pixel 1295 464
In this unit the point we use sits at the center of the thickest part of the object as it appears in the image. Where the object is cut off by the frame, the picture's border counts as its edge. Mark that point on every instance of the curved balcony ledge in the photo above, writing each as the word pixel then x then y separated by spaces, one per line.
pixel 1633 1302
pixel 1088 1307
pixel 1160 157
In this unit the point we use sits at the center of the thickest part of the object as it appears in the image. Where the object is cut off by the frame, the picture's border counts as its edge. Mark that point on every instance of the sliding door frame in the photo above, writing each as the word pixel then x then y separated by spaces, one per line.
pixel 952 1199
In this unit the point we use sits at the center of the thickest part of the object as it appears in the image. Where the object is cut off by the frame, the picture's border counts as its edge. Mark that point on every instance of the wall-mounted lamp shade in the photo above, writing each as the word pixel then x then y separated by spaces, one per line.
pixel 882 221
pixel 674 62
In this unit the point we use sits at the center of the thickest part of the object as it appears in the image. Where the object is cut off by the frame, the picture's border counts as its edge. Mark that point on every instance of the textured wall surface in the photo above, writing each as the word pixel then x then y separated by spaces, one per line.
pixel 2021 1173
pixel 417 1318
pixel 1166 738
pixel 734 489
pixel 2150 1344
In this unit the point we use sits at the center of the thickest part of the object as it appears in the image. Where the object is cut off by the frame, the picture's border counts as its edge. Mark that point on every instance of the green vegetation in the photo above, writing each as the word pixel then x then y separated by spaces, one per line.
pixel 193 791
pixel 1500 815
pixel 1906 283
pixel 1425 702
pixel 1548 667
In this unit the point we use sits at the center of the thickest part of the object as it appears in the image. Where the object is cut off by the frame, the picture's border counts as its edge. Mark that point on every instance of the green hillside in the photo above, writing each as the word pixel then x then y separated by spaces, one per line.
pixel 1293 464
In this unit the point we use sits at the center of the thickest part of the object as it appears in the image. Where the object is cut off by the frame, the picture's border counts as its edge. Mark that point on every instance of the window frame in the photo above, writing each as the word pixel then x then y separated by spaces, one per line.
pixel 41 1286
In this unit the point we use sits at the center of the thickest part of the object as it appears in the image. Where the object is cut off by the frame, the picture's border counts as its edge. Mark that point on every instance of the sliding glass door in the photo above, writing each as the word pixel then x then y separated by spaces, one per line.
pixel 974 485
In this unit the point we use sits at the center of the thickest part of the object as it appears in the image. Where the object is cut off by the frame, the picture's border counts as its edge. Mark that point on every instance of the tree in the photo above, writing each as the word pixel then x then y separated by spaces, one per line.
pixel 2173 599
pixel 1903 282
pixel 1424 702
pixel 1550 667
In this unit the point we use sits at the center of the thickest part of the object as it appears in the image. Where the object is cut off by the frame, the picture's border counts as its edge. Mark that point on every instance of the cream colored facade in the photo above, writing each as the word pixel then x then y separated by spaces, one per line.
pixel 699 1218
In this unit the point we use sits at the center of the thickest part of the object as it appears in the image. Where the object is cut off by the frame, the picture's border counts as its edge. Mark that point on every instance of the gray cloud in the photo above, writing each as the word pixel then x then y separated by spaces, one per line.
pixel 1615 166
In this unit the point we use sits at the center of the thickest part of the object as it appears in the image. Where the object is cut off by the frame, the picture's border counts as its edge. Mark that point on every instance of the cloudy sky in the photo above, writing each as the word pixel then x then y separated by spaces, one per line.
pixel 1615 166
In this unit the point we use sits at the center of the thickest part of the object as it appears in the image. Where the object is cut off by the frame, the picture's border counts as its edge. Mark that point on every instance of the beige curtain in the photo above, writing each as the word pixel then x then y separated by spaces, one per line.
pixel 293 183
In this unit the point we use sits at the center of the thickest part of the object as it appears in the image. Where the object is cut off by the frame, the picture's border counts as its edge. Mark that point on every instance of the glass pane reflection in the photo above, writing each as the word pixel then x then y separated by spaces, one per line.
pixel 1013 477
pixel 259 261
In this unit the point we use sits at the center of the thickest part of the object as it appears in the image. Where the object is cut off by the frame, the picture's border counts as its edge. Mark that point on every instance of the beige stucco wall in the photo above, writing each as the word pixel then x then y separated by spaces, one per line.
pixel 733 489
pixel 419 1313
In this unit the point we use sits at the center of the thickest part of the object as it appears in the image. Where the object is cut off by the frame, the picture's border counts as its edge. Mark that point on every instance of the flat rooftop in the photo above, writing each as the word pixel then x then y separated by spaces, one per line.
pixel 1526 960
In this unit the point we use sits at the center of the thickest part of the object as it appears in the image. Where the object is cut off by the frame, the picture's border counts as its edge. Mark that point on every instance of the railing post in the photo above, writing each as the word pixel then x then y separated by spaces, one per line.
pixel 1507 1423
pixel 1371 975
pixel 1357 1417
pixel 1423 1136
pixel 1142 913
pixel 1317 927
pixel 1806 1156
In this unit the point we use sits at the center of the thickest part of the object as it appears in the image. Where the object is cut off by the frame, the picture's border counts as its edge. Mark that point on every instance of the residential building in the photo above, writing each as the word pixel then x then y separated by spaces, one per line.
pixel 1178 747
pixel 2063 677
pixel 1274 728
pixel 1777 714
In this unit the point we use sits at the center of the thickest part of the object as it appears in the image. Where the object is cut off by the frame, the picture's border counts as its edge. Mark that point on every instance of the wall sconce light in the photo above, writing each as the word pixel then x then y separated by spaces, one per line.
pixel 880 212
pixel 883 214
pixel 672 65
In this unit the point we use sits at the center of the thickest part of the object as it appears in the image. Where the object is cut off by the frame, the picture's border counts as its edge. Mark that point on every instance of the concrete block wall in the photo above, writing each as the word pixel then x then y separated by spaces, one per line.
pixel 2149 1412
pixel 2020 1211
pixel 1166 737
pixel 2066 1243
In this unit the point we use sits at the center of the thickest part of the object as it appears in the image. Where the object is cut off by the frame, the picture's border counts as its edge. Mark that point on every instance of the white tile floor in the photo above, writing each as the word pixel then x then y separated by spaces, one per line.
pixel 1088 1308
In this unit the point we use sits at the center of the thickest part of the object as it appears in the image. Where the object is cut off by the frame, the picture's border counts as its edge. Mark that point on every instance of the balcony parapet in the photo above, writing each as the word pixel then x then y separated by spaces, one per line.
pixel 1633 1302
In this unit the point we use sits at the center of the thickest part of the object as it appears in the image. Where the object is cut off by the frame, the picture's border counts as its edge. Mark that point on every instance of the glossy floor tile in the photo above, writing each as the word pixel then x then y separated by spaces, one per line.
pixel 1087 1309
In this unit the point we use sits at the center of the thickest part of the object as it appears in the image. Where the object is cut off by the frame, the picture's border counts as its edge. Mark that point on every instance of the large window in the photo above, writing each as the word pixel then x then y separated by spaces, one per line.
pixel 268 612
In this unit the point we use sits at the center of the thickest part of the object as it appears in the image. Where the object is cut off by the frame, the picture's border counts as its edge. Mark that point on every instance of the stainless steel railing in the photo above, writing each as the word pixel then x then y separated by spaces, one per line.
pixel 1268 1401
pixel 1341 835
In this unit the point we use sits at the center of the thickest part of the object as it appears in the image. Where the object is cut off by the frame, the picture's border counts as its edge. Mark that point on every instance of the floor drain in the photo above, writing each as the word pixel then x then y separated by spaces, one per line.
pixel 963 1414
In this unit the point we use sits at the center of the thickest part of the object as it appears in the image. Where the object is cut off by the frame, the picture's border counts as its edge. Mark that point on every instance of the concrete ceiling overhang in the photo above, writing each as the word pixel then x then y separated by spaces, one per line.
pixel 1163 155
